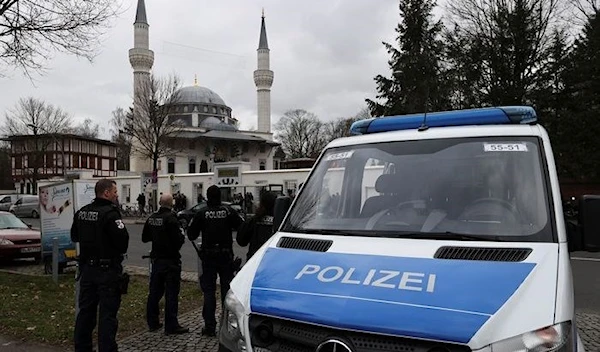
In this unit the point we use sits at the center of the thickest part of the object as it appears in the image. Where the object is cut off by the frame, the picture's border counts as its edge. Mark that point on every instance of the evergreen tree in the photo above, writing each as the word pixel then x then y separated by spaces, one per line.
pixel 512 38
pixel 416 83
pixel 582 80
pixel 551 100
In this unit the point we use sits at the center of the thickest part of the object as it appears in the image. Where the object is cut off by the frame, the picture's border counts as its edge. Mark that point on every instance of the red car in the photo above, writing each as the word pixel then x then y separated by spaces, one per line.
pixel 17 239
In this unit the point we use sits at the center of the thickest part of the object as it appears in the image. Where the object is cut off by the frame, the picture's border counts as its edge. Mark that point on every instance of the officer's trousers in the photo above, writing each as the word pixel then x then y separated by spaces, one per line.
pixel 213 264
pixel 164 279
pixel 98 288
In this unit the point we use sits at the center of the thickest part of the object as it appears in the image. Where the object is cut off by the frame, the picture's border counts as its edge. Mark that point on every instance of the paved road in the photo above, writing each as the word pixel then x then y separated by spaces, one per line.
pixel 137 248
pixel 585 267
pixel 189 258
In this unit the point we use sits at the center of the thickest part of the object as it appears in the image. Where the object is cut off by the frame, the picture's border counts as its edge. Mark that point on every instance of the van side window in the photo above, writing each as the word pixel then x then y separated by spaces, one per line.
pixel 19 201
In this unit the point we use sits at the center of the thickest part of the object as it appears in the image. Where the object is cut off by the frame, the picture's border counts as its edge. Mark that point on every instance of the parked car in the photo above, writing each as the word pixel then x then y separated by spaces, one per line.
pixel 26 206
pixel 17 239
pixel 6 200
pixel 185 216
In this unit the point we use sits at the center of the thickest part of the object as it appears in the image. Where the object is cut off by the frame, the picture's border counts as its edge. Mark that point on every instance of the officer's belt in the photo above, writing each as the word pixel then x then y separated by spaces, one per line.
pixel 102 261
pixel 215 249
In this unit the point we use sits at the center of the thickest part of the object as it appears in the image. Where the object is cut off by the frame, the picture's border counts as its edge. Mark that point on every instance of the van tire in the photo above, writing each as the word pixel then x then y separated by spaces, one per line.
pixel 35 214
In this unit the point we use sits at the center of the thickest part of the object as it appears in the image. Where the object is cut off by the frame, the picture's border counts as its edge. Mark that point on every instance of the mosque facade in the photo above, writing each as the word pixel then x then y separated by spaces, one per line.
pixel 210 135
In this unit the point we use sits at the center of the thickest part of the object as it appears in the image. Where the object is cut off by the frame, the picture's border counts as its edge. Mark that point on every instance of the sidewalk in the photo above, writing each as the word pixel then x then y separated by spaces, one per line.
pixel 587 322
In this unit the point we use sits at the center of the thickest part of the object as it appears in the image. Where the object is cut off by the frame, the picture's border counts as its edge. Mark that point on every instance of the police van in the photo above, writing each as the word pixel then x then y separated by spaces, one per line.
pixel 437 232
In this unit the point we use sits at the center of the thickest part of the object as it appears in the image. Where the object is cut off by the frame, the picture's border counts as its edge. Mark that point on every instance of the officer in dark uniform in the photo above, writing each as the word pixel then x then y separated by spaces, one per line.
pixel 259 229
pixel 103 240
pixel 216 222
pixel 163 229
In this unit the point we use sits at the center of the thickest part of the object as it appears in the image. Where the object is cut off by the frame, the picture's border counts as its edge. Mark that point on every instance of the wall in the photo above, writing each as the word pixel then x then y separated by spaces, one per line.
pixel 253 180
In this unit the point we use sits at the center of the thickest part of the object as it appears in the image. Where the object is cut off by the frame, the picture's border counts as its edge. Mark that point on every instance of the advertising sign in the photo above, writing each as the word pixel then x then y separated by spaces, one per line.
pixel 58 204
pixel 56 217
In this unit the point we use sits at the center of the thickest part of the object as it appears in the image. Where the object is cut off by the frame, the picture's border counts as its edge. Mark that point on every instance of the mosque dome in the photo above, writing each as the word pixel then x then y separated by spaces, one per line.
pixel 214 123
pixel 198 95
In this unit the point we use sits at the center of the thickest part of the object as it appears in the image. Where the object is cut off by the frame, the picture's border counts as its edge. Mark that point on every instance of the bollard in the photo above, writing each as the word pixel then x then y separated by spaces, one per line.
pixel 55 259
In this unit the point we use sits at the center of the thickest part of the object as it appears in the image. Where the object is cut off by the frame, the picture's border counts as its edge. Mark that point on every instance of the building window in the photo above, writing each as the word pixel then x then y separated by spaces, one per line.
pixel 205 108
pixel 159 165
pixel 214 110
pixel 203 166
pixel 262 164
pixel 192 165
pixel 171 166
pixel 275 164
pixel 185 108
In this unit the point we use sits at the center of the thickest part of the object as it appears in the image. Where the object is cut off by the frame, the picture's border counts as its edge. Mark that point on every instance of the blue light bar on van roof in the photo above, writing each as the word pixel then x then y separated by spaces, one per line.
pixel 483 116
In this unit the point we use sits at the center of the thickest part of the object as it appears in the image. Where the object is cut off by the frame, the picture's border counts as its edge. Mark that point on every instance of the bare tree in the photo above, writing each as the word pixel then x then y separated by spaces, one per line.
pixel 87 128
pixel 339 128
pixel 118 125
pixel 43 121
pixel 585 9
pixel 152 130
pixel 31 30
pixel 301 134
pixel 512 38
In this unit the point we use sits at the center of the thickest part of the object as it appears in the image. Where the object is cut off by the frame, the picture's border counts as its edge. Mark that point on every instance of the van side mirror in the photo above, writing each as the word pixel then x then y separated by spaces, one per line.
pixel 589 222
pixel 282 205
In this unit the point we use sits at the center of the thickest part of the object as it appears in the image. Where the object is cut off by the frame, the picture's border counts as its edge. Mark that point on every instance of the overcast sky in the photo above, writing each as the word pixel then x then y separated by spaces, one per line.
pixel 324 55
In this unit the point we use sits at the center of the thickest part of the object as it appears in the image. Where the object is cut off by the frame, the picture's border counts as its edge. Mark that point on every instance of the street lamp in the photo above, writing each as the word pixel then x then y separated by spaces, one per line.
pixel 53 136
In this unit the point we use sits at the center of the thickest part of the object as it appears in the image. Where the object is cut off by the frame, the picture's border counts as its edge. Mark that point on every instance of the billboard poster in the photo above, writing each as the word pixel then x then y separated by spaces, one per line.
pixel 56 217
pixel 84 193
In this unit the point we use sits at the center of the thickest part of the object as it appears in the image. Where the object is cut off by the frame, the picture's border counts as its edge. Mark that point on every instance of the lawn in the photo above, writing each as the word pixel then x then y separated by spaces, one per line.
pixel 36 309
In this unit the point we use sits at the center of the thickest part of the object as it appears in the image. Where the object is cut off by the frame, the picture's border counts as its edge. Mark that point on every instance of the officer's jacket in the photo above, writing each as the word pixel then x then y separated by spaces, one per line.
pixel 100 231
pixel 163 229
pixel 216 224
pixel 255 231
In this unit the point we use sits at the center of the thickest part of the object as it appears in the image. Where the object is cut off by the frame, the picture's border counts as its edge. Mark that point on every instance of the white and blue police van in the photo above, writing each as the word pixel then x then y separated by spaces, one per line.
pixel 437 232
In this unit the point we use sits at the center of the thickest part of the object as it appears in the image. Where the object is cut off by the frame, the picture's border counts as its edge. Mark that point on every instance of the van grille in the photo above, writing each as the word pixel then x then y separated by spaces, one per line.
pixel 306 244
pixel 484 254
pixel 274 334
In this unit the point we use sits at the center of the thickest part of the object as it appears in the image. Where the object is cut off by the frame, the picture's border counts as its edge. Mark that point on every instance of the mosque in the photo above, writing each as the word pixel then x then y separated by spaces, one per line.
pixel 210 136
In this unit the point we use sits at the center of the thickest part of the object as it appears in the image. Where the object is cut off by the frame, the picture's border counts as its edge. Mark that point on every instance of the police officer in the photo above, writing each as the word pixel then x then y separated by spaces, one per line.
pixel 163 230
pixel 103 240
pixel 257 230
pixel 216 222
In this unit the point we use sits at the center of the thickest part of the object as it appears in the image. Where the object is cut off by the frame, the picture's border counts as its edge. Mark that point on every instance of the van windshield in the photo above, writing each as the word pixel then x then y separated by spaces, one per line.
pixel 465 188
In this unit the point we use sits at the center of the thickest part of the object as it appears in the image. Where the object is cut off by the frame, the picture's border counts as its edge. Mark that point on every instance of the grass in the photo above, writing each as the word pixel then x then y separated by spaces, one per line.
pixel 35 309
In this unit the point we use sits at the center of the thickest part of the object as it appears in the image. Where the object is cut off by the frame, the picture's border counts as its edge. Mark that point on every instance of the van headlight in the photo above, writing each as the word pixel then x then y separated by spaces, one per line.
pixel 232 335
pixel 555 338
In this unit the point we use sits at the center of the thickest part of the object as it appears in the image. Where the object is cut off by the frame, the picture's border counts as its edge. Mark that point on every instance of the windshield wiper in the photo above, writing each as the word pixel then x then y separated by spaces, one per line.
pixel 15 228
pixel 449 236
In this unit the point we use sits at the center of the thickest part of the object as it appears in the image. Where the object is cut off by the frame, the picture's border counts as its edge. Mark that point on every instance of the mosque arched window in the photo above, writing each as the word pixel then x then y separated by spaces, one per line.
pixel 185 108
pixel 262 164
pixel 214 110
pixel 171 165
pixel 205 108
pixel 191 165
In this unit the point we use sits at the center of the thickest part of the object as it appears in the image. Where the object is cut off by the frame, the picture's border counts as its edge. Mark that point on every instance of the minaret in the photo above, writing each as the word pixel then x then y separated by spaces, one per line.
pixel 141 59
pixel 263 78
pixel 140 56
